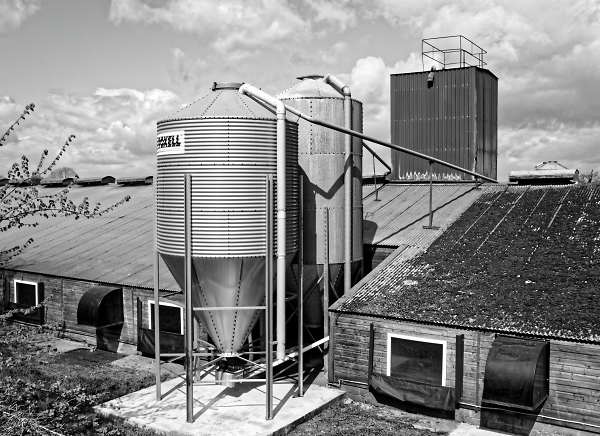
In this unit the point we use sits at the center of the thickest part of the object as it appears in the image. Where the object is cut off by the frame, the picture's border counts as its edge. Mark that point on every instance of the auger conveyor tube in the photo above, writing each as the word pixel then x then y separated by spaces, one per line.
pixel 386 144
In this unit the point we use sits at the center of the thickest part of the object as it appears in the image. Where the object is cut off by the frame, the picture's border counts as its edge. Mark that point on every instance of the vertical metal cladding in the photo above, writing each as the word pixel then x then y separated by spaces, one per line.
pixel 228 143
pixel 321 158
pixel 454 119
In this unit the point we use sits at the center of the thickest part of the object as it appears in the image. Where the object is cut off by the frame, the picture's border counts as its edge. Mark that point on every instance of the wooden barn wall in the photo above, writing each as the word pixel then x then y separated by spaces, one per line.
pixel 574 367
pixel 63 297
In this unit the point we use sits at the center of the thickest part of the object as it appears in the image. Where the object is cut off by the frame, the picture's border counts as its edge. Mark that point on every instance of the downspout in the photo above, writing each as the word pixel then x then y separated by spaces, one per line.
pixel 281 214
pixel 343 89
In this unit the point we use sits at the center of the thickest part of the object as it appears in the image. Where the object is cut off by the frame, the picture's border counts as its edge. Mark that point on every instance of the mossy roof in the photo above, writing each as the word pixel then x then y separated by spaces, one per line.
pixel 520 259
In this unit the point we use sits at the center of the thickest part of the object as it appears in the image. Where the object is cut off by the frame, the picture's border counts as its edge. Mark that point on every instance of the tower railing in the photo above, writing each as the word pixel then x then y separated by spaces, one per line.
pixel 454 51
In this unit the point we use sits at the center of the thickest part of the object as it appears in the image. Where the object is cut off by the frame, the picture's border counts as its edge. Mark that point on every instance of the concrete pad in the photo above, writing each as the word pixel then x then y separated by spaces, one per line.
pixel 141 363
pixel 62 345
pixel 218 410
pixel 464 429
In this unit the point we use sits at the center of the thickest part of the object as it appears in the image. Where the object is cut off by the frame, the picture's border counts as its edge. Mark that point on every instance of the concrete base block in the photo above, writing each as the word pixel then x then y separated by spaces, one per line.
pixel 239 410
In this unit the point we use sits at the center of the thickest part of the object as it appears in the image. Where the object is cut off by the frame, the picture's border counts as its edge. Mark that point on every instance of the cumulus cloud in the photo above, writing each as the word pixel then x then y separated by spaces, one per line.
pixel 545 54
pixel 14 12
pixel 303 57
pixel 230 25
pixel 184 72
pixel 370 83
pixel 115 129
pixel 340 13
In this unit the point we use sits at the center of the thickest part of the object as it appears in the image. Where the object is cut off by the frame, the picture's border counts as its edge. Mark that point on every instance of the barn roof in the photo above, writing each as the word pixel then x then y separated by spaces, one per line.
pixel 116 248
pixel 520 259
pixel 396 215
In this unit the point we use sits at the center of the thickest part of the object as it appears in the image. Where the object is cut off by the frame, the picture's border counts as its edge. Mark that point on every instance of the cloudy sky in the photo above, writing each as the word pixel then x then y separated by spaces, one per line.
pixel 106 71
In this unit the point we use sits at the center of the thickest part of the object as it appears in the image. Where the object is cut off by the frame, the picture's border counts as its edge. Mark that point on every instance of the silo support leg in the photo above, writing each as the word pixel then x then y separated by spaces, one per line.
pixel 156 307
pixel 326 288
pixel 189 313
pixel 301 293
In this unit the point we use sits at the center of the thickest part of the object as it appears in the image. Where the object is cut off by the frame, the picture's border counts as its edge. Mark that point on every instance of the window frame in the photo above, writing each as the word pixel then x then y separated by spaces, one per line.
pixel 27 282
pixel 442 342
pixel 166 303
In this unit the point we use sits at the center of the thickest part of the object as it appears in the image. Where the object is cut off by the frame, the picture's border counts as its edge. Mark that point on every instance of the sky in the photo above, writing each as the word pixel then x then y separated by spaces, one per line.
pixel 107 71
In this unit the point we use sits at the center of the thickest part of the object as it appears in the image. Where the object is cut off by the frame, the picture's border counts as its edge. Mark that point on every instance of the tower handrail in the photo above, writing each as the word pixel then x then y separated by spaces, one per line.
pixel 460 49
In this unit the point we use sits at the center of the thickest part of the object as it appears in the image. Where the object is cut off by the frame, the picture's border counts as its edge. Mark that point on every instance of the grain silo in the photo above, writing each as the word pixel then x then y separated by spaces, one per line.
pixel 322 162
pixel 228 143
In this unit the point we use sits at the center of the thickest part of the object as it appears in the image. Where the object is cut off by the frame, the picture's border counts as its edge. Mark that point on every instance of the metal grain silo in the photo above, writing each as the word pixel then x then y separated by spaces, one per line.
pixel 321 159
pixel 228 143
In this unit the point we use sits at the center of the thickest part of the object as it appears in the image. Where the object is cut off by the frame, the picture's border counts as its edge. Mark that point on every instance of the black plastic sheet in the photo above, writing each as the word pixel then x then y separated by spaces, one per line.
pixel 422 394
pixel 169 342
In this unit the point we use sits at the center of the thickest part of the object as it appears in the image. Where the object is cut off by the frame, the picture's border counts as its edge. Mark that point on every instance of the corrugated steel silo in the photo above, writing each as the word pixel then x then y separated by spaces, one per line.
pixel 321 158
pixel 454 118
pixel 227 142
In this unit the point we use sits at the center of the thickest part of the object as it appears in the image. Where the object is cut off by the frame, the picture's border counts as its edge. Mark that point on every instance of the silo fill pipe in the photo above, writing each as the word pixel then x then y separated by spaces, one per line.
pixel 343 89
pixel 281 214
pixel 386 144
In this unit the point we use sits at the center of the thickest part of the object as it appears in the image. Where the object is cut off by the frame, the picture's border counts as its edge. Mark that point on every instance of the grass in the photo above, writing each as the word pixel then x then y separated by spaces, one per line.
pixel 50 393
pixel 352 418
pixel 46 392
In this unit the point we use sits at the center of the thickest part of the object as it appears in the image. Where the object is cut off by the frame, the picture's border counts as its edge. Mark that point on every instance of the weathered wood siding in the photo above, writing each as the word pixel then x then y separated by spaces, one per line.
pixel 63 297
pixel 574 367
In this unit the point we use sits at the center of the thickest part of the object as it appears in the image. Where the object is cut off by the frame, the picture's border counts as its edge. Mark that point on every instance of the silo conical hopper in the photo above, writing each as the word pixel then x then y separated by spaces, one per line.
pixel 321 158
pixel 228 143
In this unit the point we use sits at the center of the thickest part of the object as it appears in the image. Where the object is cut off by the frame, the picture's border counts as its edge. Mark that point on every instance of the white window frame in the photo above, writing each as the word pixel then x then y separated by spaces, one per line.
pixel 417 339
pixel 166 303
pixel 26 282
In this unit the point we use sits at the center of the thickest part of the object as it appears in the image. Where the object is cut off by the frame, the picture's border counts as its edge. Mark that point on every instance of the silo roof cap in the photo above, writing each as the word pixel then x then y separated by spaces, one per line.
pixel 311 86
pixel 224 101
pixel 226 85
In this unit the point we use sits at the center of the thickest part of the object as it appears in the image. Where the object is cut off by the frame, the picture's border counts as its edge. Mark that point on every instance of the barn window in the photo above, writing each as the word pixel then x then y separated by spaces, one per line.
pixel 28 294
pixel 416 359
pixel 170 317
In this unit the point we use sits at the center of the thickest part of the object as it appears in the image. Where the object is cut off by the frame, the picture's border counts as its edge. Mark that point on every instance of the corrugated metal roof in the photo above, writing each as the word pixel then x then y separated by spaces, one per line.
pixel 543 174
pixel 57 182
pixel 95 180
pixel 550 165
pixel 135 180
pixel 520 259
pixel 116 248
pixel 403 209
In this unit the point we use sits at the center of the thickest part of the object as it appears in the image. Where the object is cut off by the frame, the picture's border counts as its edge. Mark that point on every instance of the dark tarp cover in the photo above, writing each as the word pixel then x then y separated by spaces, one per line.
pixel 422 394
pixel 169 342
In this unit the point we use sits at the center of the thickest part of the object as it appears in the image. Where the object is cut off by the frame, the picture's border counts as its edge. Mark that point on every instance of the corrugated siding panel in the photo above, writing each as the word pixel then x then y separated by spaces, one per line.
pixel 455 120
